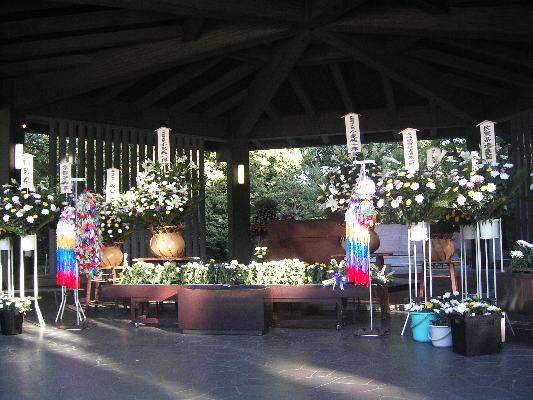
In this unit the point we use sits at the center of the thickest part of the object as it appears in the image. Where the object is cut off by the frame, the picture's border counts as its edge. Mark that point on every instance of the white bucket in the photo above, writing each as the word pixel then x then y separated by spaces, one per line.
pixel 441 336
pixel 27 243
pixel 489 229
pixel 4 244
pixel 419 232
pixel 469 232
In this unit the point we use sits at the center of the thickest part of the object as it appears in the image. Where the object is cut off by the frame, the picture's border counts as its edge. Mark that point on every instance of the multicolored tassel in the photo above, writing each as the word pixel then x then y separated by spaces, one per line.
pixel 66 274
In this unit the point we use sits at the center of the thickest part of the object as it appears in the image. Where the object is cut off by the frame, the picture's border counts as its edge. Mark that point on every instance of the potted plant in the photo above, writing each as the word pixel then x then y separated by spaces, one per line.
pixel 114 227
pixel 515 285
pixel 421 316
pixel 12 311
pixel 161 200
pixel 440 330
pixel 476 328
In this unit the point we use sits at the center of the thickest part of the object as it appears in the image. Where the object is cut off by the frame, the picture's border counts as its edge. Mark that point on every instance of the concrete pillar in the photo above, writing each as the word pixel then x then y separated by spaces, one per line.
pixel 239 200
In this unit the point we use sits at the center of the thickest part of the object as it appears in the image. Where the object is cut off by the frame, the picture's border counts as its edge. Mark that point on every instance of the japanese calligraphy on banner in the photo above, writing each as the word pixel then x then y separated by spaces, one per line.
pixel 433 156
pixel 112 184
pixel 163 145
pixel 353 134
pixel 410 148
pixel 26 172
pixel 65 177
pixel 488 141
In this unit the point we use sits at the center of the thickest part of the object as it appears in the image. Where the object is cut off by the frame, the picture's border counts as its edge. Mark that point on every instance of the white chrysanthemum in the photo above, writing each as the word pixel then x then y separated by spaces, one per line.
pixel 494 174
pixel 45 211
pixel 462 182
pixel 19 214
pixel 419 198
pixel 415 186
pixel 53 207
pixel 389 187
pixel 508 165
pixel 504 176
pixel 491 187
pixel 27 207
pixel 6 218
pixel 431 185
pixel 399 185
pixel 478 196
pixel 461 200
pixel 394 204
pixel 517 254
pixel 30 219
pixel 380 203
pixel 524 243
pixel 8 206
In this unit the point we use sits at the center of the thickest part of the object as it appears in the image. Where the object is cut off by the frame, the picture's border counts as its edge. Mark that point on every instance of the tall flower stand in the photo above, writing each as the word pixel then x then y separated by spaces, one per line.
pixel 7 246
pixel 419 232
pixel 29 243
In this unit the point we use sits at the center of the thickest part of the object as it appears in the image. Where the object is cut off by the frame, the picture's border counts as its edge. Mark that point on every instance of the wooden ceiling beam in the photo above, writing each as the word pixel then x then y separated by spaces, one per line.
pixel 475 85
pixel 213 88
pixel 389 93
pixel 112 66
pixel 267 82
pixel 425 87
pixel 372 121
pixel 471 66
pixel 43 64
pixel 507 23
pixel 85 43
pixel 323 12
pixel 115 112
pixel 110 93
pixel 340 82
pixel 431 7
pixel 301 94
pixel 165 88
pixel 272 113
pixel 192 28
pixel 227 104
pixel 281 12
pixel 115 19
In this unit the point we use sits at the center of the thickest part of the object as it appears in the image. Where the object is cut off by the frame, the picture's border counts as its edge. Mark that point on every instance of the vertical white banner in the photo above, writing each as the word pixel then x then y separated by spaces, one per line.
pixel 433 156
pixel 112 184
pixel 410 148
pixel 65 177
pixel 26 172
pixel 488 141
pixel 163 145
pixel 353 133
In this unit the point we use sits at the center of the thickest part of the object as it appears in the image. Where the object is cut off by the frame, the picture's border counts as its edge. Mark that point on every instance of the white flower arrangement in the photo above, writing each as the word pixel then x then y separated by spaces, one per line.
pixel 24 211
pixel 16 305
pixel 114 222
pixel 522 256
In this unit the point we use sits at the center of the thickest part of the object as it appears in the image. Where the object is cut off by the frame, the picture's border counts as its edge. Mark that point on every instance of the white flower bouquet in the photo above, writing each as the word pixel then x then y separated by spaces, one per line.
pixel 522 256
pixel 164 195
pixel 16 305
pixel 115 224
pixel 24 211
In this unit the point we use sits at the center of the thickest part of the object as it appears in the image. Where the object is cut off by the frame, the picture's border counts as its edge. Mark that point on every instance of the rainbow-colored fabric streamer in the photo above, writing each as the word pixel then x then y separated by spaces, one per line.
pixel 66 274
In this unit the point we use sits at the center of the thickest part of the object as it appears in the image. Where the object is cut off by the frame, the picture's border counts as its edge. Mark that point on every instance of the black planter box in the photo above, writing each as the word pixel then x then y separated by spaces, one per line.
pixel 479 335
pixel 11 323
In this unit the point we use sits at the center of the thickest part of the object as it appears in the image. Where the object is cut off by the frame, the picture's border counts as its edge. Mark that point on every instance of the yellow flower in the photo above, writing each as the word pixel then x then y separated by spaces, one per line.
pixel 457 219
pixel 45 204
pixel 483 188
pixel 13 210
pixel 429 305
pixel 117 225
pixel 35 216
pixel 401 173
pixel 489 169
pixel 471 193
pixel 407 184
pixel 211 261
pixel 430 180
pixel 108 221
pixel 167 212
pixel 472 173
pixel 456 189
pixel 389 181
pixel 408 202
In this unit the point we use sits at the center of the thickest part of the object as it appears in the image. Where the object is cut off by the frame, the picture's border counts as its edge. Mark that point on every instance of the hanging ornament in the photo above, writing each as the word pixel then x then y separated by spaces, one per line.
pixel 66 274
pixel 360 217
pixel 88 244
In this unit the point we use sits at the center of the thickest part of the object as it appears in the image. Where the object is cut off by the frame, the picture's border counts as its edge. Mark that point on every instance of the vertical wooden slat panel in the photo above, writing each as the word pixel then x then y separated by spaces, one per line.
pixel 62 140
pixel 52 154
pixel 116 147
pixel 99 158
pixel 142 147
pixel 72 128
pixel 172 139
pixel 90 157
pixel 194 178
pixel 201 207
pixel 108 147
pixel 133 161
pixel 125 159
pixel 149 145
pixel 179 145
pixel 82 127
pixel 188 223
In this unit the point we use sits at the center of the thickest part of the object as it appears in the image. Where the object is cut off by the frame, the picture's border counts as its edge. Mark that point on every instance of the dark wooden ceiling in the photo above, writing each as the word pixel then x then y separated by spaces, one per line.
pixel 277 72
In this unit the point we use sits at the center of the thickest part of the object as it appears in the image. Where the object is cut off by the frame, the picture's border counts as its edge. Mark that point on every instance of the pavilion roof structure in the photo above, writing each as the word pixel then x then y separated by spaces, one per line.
pixel 274 73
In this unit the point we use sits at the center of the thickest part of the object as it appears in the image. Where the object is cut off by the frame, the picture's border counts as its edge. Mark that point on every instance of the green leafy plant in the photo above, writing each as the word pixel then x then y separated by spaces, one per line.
pixel 522 256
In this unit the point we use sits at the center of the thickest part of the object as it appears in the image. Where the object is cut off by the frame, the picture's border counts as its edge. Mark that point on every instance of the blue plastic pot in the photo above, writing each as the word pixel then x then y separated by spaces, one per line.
pixel 420 322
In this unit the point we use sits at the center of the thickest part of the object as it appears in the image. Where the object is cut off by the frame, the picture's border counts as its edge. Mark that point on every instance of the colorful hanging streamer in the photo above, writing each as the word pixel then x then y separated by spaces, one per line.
pixel 360 217
pixel 66 274
pixel 88 252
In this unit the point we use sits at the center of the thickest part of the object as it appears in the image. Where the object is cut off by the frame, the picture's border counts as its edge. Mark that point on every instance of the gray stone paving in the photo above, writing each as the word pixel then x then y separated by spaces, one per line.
pixel 114 360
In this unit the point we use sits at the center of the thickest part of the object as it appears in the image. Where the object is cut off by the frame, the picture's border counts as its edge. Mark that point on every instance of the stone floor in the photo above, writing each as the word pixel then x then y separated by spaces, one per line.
pixel 114 360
